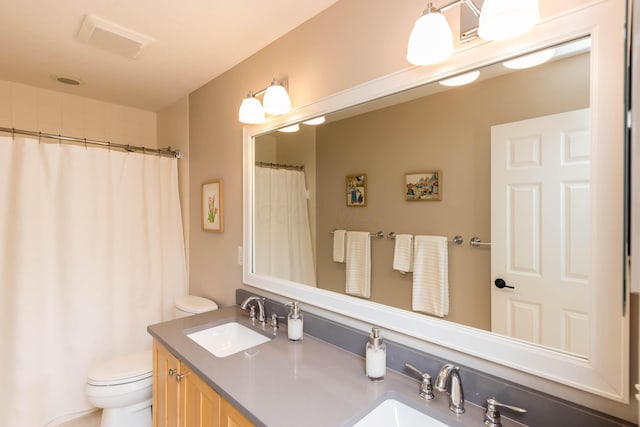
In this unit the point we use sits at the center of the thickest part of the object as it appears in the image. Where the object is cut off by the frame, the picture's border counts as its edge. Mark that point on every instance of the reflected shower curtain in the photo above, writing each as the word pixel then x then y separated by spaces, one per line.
pixel 282 234
pixel 91 252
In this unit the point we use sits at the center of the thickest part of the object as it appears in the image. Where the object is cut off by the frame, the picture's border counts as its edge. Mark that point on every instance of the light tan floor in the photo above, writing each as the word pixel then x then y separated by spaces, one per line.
pixel 89 420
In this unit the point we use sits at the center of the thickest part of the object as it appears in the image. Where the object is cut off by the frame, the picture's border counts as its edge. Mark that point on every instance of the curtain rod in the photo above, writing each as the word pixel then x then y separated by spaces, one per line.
pixel 167 152
pixel 280 166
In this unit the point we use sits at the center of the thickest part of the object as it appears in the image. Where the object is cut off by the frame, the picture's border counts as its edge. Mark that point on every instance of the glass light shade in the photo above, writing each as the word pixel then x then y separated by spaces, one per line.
pixel 504 19
pixel 314 122
pixel 431 40
pixel 530 60
pixel 462 79
pixel 251 111
pixel 290 129
pixel 276 100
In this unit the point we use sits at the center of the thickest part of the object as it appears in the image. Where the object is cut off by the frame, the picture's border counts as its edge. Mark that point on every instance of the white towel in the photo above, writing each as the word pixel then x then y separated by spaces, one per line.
pixel 358 281
pixel 338 245
pixel 403 253
pixel 431 275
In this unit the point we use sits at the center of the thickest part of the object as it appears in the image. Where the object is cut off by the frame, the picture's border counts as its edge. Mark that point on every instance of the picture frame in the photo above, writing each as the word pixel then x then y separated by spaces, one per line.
pixel 356 190
pixel 212 206
pixel 423 186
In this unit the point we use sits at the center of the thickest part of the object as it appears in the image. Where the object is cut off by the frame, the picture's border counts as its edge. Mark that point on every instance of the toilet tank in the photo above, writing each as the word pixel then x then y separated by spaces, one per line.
pixel 190 305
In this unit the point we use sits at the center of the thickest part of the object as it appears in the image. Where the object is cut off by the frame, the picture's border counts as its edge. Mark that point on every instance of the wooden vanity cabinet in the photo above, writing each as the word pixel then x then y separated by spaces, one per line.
pixel 182 399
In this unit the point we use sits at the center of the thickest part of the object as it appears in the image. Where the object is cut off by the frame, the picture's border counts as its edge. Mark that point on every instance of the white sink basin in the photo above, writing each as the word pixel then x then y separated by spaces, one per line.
pixel 392 413
pixel 227 339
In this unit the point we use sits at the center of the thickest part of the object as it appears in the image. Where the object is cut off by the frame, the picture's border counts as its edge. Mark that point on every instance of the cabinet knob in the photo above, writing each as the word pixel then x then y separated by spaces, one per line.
pixel 179 377
pixel 172 371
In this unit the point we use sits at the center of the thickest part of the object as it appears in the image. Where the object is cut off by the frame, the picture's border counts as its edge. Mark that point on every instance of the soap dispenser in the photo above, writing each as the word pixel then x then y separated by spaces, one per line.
pixel 376 356
pixel 294 322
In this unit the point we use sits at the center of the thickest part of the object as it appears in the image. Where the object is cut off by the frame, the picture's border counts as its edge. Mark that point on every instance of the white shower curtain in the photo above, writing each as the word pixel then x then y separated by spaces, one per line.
pixel 91 252
pixel 282 234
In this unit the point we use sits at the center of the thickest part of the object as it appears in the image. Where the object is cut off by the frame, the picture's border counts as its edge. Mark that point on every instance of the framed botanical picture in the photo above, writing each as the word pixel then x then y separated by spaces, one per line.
pixel 212 204
pixel 425 186
pixel 357 190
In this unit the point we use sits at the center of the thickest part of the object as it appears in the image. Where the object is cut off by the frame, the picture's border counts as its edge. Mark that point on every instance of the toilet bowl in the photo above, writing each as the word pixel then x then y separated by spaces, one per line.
pixel 123 386
pixel 190 305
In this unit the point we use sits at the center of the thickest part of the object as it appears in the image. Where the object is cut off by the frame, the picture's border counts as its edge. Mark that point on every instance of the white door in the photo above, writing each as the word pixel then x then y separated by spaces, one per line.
pixel 540 230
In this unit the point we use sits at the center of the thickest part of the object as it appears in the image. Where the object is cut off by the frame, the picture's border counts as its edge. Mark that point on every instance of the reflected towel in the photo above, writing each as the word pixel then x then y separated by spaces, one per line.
pixel 403 253
pixel 431 275
pixel 358 281
pixel 338 245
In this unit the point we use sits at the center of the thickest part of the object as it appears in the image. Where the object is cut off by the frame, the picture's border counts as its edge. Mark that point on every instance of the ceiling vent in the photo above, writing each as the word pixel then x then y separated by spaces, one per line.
pixel 112 37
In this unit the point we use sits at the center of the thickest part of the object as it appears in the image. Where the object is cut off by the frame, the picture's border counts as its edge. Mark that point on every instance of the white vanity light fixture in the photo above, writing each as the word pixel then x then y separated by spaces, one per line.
pixel 290 129
pixel 461 79
pixel 505 19
pixel 251 111
pixel 275 101
pixel 431 40
pixel 315 122
pixel 530 60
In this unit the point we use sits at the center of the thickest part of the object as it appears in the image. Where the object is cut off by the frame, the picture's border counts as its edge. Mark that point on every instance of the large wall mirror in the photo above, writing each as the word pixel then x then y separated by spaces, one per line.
pixel 515 159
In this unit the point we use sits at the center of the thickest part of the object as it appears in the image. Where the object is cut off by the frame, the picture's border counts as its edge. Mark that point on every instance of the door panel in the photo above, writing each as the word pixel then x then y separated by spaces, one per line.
pixel 540 206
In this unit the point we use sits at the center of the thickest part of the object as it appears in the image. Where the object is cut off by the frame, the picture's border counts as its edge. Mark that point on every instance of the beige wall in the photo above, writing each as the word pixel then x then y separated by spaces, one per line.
pixel 31 108
pixel 173 130
pixel 449 131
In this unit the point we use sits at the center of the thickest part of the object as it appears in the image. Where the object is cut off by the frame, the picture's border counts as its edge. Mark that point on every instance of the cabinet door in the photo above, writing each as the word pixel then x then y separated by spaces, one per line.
pixel 165 387
pixel 199 404
pixel 231 417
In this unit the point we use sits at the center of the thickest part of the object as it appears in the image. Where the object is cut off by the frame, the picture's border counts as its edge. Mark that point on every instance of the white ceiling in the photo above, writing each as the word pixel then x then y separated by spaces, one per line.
pixel 195 41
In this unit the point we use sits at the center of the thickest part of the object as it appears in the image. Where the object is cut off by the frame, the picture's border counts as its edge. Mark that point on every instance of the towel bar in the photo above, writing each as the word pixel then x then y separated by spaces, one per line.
pixel 457 240
pixel 475 241
pixel 378 235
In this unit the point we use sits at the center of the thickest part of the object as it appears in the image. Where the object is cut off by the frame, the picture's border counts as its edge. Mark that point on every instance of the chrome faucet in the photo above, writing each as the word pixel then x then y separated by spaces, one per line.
pixel 448 380
pixel 262 318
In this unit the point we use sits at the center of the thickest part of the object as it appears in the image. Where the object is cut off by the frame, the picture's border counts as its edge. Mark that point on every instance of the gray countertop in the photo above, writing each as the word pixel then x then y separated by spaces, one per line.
pixel 285 384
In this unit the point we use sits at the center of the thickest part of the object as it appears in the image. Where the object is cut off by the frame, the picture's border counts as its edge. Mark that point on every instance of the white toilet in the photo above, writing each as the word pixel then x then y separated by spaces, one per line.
pixel 123 386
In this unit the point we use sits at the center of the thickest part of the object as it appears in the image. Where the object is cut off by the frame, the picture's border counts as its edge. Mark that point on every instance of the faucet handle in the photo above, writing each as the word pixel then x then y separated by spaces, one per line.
pixel 426 389
pixel 274 323
pixel 252 312
pixel 492 415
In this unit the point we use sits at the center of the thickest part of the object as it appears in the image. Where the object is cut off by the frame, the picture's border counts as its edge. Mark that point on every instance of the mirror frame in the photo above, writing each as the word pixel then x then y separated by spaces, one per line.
pixel 606 371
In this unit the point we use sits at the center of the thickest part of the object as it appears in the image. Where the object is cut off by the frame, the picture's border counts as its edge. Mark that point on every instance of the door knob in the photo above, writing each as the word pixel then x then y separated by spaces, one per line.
pixel 500 283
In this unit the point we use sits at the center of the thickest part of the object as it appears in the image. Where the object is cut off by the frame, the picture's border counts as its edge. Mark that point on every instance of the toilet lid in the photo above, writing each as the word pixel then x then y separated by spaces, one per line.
pixel 195 305
pixel 125 369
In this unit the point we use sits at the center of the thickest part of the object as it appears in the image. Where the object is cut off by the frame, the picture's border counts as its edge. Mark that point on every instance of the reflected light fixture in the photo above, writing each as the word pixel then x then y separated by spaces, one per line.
pixel 431 40
pixel 315 122
pixel 290 129
pixel 275 101
pixel 461 79
pixel 530 60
